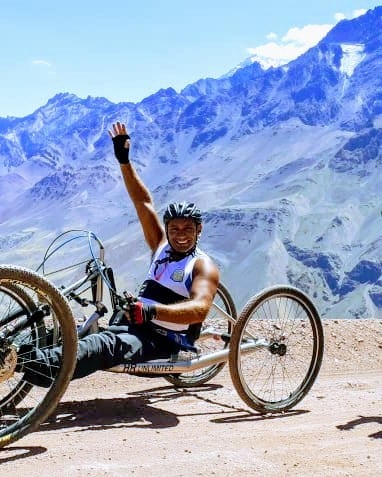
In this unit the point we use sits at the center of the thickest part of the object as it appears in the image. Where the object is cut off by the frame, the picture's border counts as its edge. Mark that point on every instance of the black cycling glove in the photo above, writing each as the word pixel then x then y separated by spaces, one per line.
pixel 135 313
pixel 140 313
pixel 121 152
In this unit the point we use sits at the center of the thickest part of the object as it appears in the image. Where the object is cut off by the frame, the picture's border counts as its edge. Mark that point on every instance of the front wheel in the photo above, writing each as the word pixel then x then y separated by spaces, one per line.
pixel 31 309
pixel 276 349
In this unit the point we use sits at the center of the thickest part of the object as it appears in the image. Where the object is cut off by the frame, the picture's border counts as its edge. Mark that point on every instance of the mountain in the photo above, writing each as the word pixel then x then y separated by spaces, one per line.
pixel 284 162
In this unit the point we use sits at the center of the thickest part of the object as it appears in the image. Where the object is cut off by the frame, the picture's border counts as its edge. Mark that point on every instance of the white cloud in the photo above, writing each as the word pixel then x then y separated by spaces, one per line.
pixel 339 16
pixel 272 36
pixel 294 43
pixel 41 63
pixel 306 36
pixel 358 13
pixel 274 54
pixel 43 69
pixel 355 13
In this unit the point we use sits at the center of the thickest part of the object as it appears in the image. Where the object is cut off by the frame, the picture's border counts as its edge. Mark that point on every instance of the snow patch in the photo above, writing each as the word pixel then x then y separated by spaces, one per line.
pixel 353 54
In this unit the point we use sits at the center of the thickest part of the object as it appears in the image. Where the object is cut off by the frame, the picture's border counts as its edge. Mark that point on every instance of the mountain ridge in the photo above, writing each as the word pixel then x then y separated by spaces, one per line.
pixel 273 156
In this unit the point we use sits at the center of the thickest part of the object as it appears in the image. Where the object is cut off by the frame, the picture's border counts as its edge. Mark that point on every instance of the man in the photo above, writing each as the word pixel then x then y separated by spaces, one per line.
pixel 173 301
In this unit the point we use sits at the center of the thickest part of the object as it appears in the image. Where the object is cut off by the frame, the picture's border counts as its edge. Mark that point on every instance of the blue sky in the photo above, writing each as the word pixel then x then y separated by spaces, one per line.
pixel 127 50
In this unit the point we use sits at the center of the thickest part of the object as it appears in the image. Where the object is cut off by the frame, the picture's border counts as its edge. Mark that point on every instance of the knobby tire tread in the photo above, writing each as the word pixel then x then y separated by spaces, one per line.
pixel 18 275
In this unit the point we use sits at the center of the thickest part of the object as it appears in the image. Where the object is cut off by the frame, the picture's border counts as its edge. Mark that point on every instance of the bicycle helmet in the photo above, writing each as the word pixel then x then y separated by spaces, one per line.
pixel 185 210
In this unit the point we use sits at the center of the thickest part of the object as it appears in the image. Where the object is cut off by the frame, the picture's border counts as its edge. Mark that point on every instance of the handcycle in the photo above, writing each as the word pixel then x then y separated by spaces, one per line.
pixel 274 347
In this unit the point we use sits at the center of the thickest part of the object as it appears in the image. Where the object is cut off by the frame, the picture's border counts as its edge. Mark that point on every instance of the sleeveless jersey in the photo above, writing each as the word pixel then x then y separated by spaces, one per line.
pixel 168 282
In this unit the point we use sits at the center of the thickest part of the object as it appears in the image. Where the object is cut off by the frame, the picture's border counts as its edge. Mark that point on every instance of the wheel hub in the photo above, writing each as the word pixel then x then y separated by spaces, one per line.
pixel 278 348
pixel 8 362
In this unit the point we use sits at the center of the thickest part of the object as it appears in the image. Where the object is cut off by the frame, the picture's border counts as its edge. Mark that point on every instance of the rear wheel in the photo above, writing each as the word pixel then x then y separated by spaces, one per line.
pixel 276 349
pixel 214 326
pixel 13 297
pixel 22 294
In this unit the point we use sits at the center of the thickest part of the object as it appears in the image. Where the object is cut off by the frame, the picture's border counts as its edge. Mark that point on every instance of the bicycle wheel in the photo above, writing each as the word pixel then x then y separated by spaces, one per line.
pixel 208 341
pixel 276 349
pixel 14 298
pixel 23 406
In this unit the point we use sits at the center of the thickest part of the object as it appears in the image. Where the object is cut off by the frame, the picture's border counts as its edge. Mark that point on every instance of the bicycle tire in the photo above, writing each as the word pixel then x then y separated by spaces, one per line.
pixel 278 373
pixel 26 415
pixel 203 375
pixel 20 388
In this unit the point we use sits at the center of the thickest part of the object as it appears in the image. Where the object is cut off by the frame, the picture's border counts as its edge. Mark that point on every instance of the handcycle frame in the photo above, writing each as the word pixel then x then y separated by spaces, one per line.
pixel 274 347
pixel 101 274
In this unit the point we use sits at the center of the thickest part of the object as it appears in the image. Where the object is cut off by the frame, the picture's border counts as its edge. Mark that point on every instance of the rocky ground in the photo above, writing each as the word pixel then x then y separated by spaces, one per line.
pixel 117 425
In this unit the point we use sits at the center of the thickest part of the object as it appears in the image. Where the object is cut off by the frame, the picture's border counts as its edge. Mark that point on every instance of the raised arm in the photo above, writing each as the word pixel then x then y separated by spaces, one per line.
pixel 152 229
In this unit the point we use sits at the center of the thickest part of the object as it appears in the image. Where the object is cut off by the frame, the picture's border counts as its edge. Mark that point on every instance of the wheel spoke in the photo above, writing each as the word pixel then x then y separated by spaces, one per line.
pixel 216 321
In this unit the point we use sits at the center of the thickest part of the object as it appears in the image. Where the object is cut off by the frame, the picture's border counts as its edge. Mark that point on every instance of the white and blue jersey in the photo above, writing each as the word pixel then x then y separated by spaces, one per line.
pixel 169 281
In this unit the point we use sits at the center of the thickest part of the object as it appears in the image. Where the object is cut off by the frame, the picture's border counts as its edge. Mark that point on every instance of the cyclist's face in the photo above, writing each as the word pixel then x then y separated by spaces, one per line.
pixel 182 234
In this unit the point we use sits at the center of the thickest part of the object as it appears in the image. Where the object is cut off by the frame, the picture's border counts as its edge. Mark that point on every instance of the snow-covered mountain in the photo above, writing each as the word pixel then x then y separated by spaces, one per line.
pixel 284 161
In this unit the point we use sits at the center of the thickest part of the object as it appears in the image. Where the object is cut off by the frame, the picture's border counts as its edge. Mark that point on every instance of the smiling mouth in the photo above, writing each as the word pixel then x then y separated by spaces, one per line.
pixel 183 244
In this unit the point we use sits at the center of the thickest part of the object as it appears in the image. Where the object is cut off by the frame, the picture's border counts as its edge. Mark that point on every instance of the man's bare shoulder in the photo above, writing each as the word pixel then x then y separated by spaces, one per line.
pixel 206 265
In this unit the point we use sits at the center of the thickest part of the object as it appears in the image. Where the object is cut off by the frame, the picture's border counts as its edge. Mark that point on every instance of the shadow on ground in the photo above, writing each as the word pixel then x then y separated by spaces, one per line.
pixel 363 420
pixel 10 454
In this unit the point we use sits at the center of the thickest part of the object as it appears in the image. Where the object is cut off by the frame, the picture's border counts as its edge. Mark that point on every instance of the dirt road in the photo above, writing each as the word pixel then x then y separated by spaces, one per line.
pixel 113 425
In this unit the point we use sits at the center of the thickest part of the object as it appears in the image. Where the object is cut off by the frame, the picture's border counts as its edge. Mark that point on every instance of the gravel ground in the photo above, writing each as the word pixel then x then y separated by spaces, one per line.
pixel 117 425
